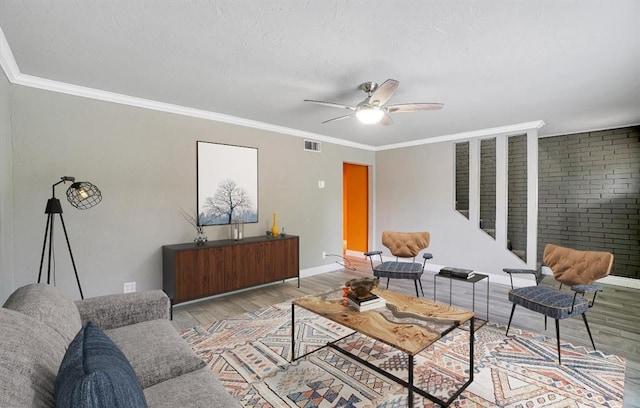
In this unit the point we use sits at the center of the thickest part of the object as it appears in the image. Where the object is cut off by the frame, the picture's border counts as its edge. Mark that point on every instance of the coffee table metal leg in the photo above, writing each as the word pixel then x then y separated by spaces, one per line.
pixel 435 287
pixel 473 298
pixel 293 333
pixel 487 299
pixel 472 336
pixel 410 402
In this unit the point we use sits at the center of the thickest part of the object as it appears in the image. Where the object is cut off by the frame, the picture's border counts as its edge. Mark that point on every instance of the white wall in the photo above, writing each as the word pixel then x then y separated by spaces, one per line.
pixel 144 162
pixel 415 192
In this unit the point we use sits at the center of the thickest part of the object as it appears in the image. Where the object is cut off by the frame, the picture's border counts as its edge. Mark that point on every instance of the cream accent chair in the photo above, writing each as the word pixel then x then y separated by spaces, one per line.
pixel 402 245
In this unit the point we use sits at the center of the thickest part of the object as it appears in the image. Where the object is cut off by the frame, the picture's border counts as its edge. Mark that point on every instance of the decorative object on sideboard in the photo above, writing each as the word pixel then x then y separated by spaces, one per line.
pixel 237 229
pixel 82 195
pixel 274 229
pixel 362 287
pixel 267 231
pixel 200 238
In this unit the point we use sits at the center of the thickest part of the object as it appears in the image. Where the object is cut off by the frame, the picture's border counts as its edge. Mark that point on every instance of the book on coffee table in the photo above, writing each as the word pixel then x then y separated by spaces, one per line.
pixel 372 298
pixel 457 272
pixel 379 302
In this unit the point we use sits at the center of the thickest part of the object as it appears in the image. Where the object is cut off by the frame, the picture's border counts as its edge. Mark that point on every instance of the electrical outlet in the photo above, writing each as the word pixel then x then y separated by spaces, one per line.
pixel 324 254
pixel 129 287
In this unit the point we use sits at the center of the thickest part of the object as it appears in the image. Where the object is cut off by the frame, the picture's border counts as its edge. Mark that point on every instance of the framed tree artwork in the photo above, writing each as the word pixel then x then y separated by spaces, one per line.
pixel 227 183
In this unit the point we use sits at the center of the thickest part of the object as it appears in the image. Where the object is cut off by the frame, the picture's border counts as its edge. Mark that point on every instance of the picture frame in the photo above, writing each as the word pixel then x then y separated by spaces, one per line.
pixel 227 180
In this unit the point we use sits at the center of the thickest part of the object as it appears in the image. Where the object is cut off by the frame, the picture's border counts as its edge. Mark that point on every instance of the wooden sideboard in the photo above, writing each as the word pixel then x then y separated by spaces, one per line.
pixel 191 271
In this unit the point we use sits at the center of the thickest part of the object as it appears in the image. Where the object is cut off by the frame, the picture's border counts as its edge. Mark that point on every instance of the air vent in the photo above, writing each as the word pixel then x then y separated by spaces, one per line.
pixel 312 146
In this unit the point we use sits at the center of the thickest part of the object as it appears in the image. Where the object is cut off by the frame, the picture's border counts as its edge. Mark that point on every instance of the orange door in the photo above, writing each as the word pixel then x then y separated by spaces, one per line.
pixel 355 207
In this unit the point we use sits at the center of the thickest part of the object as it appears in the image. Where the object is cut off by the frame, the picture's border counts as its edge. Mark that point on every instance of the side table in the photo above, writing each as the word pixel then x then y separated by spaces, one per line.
pixel 473 280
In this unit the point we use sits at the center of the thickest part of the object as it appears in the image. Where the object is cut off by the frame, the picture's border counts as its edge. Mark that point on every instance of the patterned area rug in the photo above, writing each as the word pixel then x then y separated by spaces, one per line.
pixel 250 355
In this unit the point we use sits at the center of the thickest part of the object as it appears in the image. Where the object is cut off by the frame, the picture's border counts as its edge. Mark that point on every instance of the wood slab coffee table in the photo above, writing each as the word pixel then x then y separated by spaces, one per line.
pixel 406 323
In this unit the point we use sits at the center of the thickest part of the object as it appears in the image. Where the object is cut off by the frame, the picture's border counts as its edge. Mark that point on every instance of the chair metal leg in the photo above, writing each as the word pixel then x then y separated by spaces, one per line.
pixel 584 317
pixel 545 322
pixel 558 339
pixel 387 283
pixel 415 283
pixel 420 282
pixel 513 309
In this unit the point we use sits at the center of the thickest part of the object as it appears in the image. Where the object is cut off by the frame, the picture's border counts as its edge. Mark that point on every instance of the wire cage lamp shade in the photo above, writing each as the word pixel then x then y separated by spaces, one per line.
pixel 83 195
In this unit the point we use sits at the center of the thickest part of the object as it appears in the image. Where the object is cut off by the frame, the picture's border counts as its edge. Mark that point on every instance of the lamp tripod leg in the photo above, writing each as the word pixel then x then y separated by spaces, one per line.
pixel 44 245
pixel 50 249
pixel 73 262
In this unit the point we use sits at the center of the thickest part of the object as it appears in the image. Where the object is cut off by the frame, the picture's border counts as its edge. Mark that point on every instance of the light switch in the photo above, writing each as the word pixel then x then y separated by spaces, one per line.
pixel 320 183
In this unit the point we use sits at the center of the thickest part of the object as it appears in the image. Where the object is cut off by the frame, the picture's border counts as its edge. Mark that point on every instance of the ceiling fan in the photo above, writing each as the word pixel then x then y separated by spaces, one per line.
pixel 373 108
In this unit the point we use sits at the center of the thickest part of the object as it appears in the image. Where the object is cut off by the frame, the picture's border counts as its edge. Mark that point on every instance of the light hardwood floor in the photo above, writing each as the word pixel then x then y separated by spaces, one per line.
pixel 614 320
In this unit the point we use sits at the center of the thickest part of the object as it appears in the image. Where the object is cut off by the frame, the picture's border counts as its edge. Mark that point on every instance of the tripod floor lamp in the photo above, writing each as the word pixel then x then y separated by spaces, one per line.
pixel 82 195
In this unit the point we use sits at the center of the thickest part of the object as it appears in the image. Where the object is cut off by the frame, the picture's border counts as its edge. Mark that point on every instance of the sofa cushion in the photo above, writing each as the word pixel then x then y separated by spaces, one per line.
pixel 30 355
pixel 95 373
pixel 49 305
pixel 192 390
pixel 155 350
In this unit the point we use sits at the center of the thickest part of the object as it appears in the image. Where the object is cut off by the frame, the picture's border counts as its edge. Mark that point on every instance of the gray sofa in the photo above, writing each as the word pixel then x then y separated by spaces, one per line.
pixel 38 323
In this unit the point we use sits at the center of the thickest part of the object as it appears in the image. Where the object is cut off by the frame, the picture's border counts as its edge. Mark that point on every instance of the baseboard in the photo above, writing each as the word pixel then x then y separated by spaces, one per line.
pixel 621 281
pixel 305 273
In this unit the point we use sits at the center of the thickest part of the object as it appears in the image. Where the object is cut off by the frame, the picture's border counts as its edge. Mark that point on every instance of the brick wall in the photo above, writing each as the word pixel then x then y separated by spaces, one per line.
pixel 517 195
pixel 589 194
pixel 462 178
pixel 488 185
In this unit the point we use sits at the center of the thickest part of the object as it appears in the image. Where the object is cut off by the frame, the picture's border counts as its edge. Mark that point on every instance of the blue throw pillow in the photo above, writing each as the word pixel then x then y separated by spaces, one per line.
pixel 95 373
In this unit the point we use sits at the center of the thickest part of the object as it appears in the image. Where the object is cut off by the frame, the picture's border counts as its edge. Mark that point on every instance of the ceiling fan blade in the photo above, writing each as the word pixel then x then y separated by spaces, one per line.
pixel 384 92
pixel 386 120
pixel 332 104
pixel 339 117
pixel 413 107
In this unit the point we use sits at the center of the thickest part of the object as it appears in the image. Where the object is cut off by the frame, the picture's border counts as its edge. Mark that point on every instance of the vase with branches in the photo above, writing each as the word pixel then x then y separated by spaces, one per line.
pixel 200 238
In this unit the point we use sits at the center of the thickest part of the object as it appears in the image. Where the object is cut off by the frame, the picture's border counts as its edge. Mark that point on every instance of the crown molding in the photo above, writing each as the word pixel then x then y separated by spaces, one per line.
pixel 92 93
pixel 591 130
pixel 508 130
pixel 11 69
pixel 7 62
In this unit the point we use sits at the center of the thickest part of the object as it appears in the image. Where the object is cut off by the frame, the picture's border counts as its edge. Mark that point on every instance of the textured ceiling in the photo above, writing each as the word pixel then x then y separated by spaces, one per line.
pixel 573 64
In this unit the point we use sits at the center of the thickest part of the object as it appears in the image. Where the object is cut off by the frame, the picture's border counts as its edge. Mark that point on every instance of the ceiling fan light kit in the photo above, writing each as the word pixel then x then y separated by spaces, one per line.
pixel 373 108
pixel 370 116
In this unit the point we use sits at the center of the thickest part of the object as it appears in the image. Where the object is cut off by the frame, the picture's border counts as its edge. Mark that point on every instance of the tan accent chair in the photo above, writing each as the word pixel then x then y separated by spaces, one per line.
pixel 402 245
pixel 571 267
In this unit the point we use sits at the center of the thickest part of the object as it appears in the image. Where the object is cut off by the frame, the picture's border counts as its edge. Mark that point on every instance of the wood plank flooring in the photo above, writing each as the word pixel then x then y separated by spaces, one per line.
pixel 614 320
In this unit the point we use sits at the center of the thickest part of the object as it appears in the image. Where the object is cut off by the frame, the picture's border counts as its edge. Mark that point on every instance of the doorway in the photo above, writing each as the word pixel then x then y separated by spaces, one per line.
pixel 355 197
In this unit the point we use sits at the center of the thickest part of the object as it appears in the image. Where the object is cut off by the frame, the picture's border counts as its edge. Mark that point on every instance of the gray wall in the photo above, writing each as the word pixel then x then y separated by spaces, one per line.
pixel 589 198
pixel 144 162
pixel 6 202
